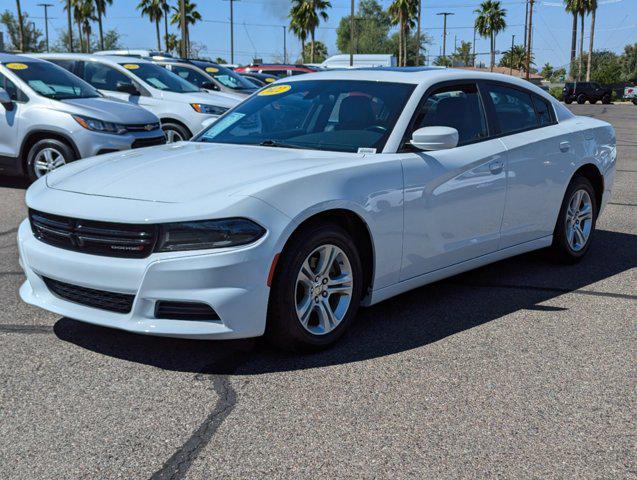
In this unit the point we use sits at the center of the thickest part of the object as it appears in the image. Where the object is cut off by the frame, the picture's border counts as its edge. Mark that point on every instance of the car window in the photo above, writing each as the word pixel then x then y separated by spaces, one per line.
pixel 225 76
pixel 190 75
pixel 14 92
pixel 341 115
pixel 51 81
pixel 159 77
pixel 543 111
pixel 275 73
pixel 458 107
pixel 65 64
pixel 513 109
pixel 103 76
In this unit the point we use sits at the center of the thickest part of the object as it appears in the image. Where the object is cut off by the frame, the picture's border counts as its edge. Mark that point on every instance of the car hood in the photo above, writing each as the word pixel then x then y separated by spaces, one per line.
pixel 110 110
pixel 188 171
pixel 218 99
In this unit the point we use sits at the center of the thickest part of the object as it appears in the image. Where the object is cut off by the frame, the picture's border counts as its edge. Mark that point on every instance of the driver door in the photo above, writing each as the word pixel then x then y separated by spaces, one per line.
pixel 454 198
pixel 9 120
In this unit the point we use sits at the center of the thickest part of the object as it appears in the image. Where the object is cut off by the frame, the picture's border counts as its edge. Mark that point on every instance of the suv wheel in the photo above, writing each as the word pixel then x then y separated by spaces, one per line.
pixel 47 155
pixel 175 132
pixel 592 101
pixel 606 99
pixel 634 101
pixel 576 222
pixel 316 291
pixel 581 99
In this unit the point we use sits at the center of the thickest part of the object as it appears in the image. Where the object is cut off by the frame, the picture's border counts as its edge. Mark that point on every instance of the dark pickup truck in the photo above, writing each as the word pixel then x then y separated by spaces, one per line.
pixel 586 91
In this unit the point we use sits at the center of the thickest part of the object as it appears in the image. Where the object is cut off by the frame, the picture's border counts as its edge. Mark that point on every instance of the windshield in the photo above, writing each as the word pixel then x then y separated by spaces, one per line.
pixel 160 78
pixel 336 115
pixel 225 76
pixel 52 81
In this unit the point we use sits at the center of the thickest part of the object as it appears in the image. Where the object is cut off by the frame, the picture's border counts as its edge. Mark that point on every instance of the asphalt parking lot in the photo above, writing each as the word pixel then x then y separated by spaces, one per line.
pixel 522 369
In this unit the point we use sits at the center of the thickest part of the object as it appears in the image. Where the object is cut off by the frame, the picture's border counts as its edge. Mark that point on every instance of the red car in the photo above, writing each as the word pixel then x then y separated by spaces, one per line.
pixel 277 70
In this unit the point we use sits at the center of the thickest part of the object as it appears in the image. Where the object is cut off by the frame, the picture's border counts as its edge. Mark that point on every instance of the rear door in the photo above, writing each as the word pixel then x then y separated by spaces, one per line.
pixel 10 122
pixel 539 152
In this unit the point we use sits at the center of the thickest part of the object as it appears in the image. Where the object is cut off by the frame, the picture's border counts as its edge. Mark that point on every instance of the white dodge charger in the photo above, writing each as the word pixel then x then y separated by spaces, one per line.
pixel 316 195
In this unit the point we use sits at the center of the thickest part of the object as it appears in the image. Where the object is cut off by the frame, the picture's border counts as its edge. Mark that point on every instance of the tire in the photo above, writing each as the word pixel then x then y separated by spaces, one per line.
pixel 291 290
pixel 606 99
pixel 175 132
pixel 592 102
pixel 563 249
pixel 568 101
pixel 581 99
pixel 47 155
pixel 634 100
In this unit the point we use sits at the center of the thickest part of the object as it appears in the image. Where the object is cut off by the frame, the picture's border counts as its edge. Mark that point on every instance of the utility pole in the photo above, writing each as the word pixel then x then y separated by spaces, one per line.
pixel 444 33
pixel 418 34
pixel 182 25
pixel 526 22
pixel 232 31
pixel 68 17
pixel 529 40
pixel 351 35
pixel 474 47
pixel 46 21
pixel 511 55
pixel 285 47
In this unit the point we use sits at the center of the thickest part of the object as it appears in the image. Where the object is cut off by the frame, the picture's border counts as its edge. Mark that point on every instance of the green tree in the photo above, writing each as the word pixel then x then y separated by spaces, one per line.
pixel 628 63
pixel 298 23
pixel 547 71
pixel 489 22
pixel 172 43
pixel 462 56
pixel 592 9
pixel 305 17
pixel 413 54
pixel 192 17
pixel 515 58
pixel 221 60
pixel 403 13
pixel 443 61
pixel 574 7
pixel 605 67
pixel 100 9
pixel 154 11
pixel 320 51
pixel 371 28
pixel 21 43
pixel 83 14
pixel 31 36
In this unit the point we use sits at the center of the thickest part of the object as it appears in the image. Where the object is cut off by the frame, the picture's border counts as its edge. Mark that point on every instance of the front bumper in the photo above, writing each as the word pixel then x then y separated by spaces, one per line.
pixel 90 143
pixel 233 282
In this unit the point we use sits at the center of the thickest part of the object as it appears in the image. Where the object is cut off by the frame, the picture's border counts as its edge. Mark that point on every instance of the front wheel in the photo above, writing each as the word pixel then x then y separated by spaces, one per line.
pixel 568 101
pixel 45 156
pixel 576 222
pixel 606 99
pixel 175 132
pixel 316 290
pixel 581 99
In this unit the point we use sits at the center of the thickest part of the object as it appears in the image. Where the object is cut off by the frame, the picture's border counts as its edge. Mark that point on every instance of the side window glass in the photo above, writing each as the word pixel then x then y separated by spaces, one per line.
pixel 513 108
pixel 457 107
pixel 103 77
pixel 65 64
pixel 543 111
pixel 14 92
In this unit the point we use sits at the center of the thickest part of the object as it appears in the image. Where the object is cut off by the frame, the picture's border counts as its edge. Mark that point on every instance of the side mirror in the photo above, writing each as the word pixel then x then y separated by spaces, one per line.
pixel 435 138
pixel 5 99
pixel 210 86
pixel 125 87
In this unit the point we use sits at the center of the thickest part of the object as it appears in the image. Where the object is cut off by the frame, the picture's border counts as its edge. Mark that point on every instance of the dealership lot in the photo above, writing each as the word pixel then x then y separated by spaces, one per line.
pixel 520 369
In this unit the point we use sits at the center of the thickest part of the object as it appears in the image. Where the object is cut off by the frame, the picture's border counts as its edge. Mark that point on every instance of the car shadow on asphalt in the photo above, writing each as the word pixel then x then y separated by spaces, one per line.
pixel 411 320
pixel 14 182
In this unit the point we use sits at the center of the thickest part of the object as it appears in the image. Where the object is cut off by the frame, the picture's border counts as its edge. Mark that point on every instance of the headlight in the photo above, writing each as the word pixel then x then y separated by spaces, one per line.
pixel 201 235
pixel 208 109
pixel 99 125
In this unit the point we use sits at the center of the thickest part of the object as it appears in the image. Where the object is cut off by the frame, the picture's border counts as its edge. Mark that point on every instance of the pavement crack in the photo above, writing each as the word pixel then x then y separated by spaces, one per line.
pixel 14 328
pixel 8 232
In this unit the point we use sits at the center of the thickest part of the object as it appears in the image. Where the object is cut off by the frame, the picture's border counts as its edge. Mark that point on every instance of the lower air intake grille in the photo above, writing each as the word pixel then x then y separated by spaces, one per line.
pixel 113 302
pixel 184 311
pixel 148 142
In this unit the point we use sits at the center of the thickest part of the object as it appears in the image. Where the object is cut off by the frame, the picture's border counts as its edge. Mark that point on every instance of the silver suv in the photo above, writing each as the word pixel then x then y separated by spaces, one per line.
pixel 49 117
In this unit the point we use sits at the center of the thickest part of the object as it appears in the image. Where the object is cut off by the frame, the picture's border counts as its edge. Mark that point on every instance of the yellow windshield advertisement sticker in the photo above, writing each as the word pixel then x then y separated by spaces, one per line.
pixel 275 90
pixel 130 66
pixel 270 80
pixel 212 69
pixel 16 66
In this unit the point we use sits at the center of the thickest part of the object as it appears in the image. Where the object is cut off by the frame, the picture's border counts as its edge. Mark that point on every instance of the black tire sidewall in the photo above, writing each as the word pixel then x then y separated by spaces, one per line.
pixel 66 151
pixel 561 247
pixel 606 99
pixel 283 327
pixel 185 135
pixel 581 99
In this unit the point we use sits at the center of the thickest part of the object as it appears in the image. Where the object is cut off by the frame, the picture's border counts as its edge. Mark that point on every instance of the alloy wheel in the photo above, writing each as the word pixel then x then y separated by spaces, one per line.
pixel 47 160
pixel 579 220
pixel 323 289
pixel 172 136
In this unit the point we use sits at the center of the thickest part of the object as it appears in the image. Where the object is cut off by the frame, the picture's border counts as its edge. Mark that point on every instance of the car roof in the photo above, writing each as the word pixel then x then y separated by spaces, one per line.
pixel 112 59
pixel 10 57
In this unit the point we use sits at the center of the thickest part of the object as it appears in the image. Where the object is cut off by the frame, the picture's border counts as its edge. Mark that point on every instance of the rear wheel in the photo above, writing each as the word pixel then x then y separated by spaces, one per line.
pixel 46 155
pixel 316 291
pixel 175 132
pixel 576 222
pixel 592 102
pixel 581 99
pixel 568 101
pixel 606 99
pixel 634 101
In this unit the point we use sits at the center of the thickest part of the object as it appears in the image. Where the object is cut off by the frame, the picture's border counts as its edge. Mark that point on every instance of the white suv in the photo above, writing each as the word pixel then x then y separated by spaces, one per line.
pixel 182 107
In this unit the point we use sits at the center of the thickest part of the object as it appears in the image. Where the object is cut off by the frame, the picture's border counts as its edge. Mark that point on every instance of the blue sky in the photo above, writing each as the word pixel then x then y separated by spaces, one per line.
pixel 258 24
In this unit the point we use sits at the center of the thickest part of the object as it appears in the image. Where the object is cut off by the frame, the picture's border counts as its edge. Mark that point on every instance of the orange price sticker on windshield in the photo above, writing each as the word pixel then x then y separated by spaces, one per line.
pixel 275 90
pixel 130 66
pixel 16 66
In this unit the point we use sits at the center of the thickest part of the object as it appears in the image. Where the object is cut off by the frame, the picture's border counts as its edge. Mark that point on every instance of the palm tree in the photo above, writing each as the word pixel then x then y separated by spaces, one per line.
pixel 515 58
pixel 76 7
pixel 403 14
pixel 573 7
pixel 592 7
pixel 67 7
pixel 166 8
pixel 100 8
pixel 490 22
pixel 192 17
pixel 298 23
pixel 20 24
pixel 154 11
pixel 87 15
pixel 315 13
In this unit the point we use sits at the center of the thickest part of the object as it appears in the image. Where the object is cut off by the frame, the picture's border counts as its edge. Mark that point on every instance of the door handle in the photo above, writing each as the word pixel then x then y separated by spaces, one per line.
pixel 496 166
pixel 565 146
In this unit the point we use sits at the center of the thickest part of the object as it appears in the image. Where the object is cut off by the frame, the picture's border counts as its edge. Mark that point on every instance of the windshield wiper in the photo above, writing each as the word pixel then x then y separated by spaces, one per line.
pixel 276 143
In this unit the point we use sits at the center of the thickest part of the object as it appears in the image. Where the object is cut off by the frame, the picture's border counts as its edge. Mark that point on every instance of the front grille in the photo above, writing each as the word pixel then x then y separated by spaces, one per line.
pixel 149 142
pixel 113 302
pixel 184 311
pixel 96 238
pixel 142 127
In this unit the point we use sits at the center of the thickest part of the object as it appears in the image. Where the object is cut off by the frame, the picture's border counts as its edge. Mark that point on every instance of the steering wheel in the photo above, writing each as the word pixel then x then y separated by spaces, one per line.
pixel 376 128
